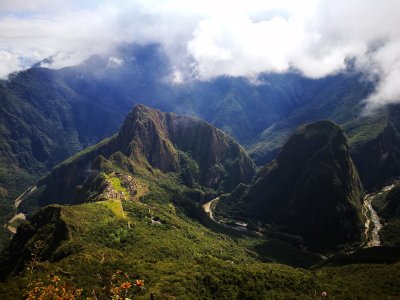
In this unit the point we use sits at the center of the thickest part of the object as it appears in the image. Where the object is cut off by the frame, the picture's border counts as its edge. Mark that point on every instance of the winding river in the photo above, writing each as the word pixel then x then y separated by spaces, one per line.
pixel 373 238
pixel 237 225
pixel 371 217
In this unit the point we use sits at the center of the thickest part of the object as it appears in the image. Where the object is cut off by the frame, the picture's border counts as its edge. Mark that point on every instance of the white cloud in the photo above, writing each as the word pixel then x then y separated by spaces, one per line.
pixel 114 62
pixel 9 63
pixel 385 63
pixel 69 38
pixel 236 46
pixel 7 6
pixel 237 38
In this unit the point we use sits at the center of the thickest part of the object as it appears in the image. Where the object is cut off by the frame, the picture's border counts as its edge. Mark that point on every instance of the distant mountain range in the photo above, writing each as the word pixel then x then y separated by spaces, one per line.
pixel 48 115
pixel 134 202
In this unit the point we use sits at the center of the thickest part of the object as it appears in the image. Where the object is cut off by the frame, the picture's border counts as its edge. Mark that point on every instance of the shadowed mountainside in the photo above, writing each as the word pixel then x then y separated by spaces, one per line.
pixel 311 189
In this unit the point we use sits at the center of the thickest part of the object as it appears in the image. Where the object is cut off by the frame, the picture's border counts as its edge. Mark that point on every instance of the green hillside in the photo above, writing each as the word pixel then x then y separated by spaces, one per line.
pixel 311 189
pixel 374 138
pixel 387 205
pixel 177 258
pixel 153 145
pixel 132 222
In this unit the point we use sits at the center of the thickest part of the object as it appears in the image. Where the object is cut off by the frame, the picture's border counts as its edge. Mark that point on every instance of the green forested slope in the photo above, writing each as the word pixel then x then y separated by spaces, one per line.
pixel 311 189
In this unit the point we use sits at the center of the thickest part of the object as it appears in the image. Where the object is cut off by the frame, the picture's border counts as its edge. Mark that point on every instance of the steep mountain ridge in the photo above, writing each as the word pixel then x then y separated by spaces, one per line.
pixel 42 123
pixel 378 159
pixel 311 189
pixel 373 138
pixel 149 142
pixel 48 115
pixel 159 136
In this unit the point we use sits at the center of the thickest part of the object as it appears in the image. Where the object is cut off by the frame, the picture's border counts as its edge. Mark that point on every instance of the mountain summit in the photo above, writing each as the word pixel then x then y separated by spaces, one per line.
pixel 311 189
pixel 160 137
pixel 154 143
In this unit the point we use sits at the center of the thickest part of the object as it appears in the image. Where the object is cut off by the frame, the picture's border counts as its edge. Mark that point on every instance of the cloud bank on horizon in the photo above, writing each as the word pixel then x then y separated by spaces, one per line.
pixel 207 39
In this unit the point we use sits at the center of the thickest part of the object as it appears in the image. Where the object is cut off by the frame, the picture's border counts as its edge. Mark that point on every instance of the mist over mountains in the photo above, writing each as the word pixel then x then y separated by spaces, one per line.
pixel 155 150
pixel 206 40
pixel 88 102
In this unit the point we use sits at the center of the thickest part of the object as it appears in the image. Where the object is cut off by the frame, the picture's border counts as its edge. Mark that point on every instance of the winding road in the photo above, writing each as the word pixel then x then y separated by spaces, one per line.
pixel 18 216
pixel 208 210
pixel 236 225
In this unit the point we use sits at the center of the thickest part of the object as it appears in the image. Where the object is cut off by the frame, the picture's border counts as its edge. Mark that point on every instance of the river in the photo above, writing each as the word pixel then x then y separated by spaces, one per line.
pixel 372 236
pixel 234 224
pixel 371 216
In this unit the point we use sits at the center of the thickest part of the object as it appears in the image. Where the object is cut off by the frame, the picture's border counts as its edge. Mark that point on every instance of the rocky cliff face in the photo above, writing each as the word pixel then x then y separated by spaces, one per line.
pixel 158 137
pixel 145 134
pixel 311 189
pixel 151 140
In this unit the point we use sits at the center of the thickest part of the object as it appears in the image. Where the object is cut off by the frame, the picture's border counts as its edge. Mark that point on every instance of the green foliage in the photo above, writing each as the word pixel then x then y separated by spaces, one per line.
pixel 374 139
pixel 13 182
pixel 115 206
pixel 311 189
pixel 190 170
pixel 178 257
pixel 390 233
pixel 155 147
pixel 232 204
pixel 387 205
pixel 43 122
pixel 81 155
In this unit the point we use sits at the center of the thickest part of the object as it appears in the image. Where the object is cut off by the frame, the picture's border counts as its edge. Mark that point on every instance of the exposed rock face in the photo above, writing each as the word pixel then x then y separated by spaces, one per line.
pixel 145 134
pixel 312 188
pixel 150 139
pixel 159 136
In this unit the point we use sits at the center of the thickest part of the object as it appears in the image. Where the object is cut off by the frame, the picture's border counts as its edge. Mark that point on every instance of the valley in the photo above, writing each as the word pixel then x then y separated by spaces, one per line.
pixel 281 212
pixel 172 209
pixel 173 150
pixel 49 115
pixel 372 220
pixel 232 224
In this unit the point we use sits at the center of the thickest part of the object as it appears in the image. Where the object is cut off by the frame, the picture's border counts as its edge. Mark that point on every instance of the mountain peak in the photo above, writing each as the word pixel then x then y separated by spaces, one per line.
pixel 144 133
pixel 311 189
pixel 309 138
pixel 160 137
pixel 200 154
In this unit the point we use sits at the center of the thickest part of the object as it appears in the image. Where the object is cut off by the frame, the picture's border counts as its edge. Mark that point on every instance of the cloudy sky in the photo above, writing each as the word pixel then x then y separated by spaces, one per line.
pixel 215 37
